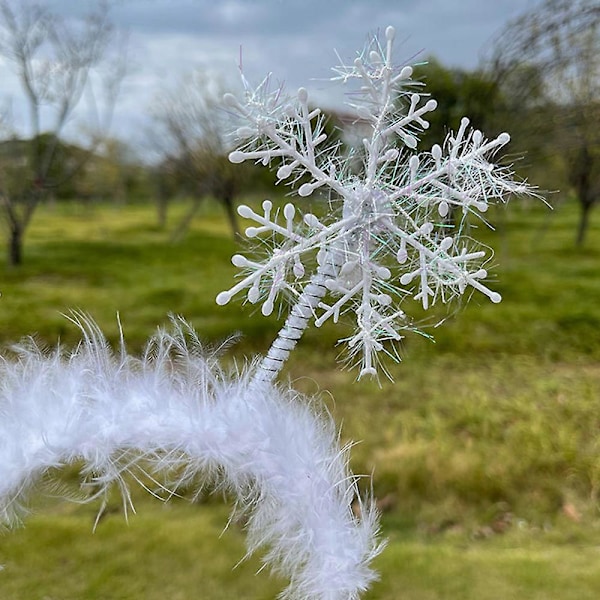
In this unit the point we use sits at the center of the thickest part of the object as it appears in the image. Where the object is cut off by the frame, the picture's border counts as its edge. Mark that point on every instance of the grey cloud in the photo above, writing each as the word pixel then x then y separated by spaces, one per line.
pixel 455 29
pixel 294 39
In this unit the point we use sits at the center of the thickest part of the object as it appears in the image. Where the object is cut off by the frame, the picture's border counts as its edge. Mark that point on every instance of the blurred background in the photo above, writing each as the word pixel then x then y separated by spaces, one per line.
pixel 116 196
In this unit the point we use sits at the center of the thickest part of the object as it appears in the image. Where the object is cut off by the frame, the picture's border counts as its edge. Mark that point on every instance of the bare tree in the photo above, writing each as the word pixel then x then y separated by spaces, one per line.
pixel 191 135
pixel 549 59
pixel 57 62
pixel 580 125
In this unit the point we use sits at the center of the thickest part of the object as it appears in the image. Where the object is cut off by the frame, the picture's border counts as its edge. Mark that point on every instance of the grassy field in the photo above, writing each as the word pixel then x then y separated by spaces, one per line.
pixel 485 452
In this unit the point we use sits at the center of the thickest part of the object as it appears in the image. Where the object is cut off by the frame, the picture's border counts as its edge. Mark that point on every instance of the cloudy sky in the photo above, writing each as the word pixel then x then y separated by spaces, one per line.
pixel 294 39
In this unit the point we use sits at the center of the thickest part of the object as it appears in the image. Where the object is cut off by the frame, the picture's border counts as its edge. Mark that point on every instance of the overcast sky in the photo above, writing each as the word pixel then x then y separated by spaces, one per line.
pixel 296 40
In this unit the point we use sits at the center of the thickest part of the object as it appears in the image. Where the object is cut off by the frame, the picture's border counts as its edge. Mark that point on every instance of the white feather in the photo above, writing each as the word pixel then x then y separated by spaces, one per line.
pixel 175 407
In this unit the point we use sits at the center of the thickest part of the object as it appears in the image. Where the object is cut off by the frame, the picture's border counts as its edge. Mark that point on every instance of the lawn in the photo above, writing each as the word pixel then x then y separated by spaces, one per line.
pixel 485 451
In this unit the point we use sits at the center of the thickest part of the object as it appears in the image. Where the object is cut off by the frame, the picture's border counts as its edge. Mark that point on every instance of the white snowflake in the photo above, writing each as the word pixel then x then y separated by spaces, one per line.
pixel 388 236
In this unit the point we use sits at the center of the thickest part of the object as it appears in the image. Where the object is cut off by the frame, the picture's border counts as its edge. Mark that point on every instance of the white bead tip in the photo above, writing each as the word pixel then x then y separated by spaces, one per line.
pixel 223 298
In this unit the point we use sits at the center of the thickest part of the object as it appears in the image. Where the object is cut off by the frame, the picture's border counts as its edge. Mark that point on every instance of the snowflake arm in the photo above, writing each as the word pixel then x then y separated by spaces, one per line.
pixel 454 175
pixel 294 136
pixel 283 269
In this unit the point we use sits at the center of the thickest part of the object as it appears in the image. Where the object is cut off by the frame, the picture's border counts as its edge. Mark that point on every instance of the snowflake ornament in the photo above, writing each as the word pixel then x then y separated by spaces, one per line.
pixel 388 236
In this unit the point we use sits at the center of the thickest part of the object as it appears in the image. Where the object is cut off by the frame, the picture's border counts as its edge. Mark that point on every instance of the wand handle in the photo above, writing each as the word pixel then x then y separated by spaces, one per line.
pixel 296 322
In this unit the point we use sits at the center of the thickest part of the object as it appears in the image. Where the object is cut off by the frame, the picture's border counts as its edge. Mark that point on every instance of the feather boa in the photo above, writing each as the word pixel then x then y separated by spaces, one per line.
pixel 175 408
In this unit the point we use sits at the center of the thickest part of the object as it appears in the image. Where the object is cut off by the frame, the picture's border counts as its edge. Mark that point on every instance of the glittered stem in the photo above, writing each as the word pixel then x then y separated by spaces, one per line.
pixel 296 323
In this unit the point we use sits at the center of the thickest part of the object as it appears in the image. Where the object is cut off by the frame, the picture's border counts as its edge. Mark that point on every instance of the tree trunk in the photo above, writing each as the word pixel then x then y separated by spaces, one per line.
pixel 232 216
pixel 581 179
pixel 15 246
pixel 584 220
pixel 162 204
pixel 186 220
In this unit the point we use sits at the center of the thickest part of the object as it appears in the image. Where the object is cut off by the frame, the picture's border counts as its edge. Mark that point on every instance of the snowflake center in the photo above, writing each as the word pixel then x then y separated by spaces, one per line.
pixel 367 205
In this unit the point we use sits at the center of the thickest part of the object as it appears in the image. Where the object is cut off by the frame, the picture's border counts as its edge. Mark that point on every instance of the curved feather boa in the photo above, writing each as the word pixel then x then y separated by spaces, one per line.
pixel 175 407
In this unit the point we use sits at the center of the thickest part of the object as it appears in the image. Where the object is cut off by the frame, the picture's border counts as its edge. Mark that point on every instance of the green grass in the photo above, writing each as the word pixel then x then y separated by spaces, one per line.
pixel 169 552
pixel 485 451
pixel 179 552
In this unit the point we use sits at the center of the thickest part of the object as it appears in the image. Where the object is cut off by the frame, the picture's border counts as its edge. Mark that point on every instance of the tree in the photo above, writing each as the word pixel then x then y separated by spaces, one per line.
pixel 192 138
pixel 57 62
pixel 548 60
pixel 113 172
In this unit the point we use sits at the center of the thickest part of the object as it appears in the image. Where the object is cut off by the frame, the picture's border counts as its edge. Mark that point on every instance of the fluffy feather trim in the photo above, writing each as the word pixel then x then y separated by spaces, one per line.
pixel 175 407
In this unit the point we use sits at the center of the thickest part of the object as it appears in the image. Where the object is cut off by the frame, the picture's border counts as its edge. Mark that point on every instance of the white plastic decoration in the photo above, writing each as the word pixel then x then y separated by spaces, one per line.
pixel 387 238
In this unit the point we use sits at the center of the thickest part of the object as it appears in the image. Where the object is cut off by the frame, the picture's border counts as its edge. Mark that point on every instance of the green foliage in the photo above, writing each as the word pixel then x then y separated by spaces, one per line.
pixel 458 93
pixel 20 166
pixel 491 430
